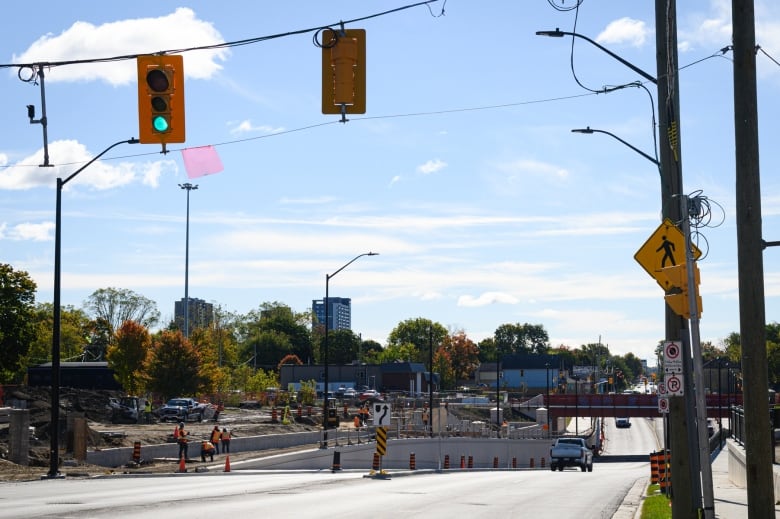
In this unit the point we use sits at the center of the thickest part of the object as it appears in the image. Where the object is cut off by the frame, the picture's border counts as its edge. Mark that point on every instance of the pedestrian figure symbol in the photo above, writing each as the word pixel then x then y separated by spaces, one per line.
pixel 668 248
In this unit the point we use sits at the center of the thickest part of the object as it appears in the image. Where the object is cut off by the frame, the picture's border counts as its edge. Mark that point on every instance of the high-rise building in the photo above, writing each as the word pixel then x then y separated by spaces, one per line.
pixel 200 316
pixel 339 313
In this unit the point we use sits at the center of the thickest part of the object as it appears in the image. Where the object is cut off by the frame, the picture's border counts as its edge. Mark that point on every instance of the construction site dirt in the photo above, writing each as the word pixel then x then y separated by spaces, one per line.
pixel 241 421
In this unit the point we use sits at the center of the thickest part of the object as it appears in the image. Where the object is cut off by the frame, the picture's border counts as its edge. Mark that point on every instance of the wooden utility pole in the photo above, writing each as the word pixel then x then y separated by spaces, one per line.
pixel 685 478
pixel 752 318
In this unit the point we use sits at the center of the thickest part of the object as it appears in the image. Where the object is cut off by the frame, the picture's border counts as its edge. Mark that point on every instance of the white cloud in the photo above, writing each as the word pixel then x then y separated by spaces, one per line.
pixel 396 179
pixel 83 41
pixel 432 166
pixel 27 231
pixel 625 30
pixel 487 298
pixel 3 159
pixel 247 127
pixel 70 155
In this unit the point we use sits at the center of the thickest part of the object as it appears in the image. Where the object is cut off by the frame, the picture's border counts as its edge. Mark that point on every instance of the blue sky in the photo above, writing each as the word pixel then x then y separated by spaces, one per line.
pixel 463 173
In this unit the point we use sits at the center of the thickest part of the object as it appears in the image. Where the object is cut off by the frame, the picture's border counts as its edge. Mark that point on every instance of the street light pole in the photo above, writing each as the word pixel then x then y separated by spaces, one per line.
pixel 325 406
pixel 54 445
pixel 547 392
pixel 692 492
pixel 590 130
pixel 189 187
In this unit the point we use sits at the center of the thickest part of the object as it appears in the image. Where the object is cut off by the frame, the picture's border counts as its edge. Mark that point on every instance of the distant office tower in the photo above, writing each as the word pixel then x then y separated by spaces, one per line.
pixel 201 313
pixel 339 313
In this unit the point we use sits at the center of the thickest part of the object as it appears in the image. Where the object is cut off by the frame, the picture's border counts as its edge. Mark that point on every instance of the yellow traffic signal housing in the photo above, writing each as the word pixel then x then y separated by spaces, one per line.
pixel 344 71
pixel 160 99
pixel 675 280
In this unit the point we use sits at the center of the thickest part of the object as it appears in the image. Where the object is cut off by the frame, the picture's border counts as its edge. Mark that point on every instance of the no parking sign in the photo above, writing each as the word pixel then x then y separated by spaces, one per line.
pixel 674 384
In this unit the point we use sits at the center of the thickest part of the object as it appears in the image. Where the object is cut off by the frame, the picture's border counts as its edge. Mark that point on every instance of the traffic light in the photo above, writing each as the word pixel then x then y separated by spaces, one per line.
pixel 676 282
pixel 160 99
pixel 344 71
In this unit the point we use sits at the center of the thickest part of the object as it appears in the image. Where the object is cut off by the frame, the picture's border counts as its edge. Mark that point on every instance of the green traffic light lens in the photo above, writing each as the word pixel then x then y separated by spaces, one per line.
pixel 160 124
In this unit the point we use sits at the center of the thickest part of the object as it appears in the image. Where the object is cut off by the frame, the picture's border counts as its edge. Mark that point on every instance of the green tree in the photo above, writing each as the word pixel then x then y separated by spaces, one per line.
pixel 127 355
pixel 487 349
pixel 173 367
pixel 398 352
pixel 266 348
pixel 282 321
pixel 368 347
pixel 421 333
pixel 75 329
pixel 343 346
pixel 521 338
pixel 111 307
pixel 17 321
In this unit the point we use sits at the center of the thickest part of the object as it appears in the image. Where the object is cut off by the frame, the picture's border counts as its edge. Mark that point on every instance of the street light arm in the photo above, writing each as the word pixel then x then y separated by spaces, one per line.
pixel 350 262
pixel 557 33
pixel 590 130
pixel 85 166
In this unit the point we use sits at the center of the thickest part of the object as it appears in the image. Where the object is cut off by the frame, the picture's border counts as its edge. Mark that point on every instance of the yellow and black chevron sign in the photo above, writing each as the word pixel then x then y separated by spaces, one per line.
pixel 381 441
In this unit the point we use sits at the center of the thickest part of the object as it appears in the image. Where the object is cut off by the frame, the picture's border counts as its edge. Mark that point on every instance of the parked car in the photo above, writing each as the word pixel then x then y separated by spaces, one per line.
pixel 350 393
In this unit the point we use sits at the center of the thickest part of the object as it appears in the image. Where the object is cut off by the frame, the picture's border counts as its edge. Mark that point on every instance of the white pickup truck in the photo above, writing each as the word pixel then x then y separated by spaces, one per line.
pixel 571 452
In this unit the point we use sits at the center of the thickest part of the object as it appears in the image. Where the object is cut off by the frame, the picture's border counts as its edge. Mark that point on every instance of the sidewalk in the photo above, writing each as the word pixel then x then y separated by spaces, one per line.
pixel 730 500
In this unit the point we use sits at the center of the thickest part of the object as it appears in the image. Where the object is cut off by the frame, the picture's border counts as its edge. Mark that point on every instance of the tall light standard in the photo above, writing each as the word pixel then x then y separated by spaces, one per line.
pixel 54 445
pixel 325 406
pixel 189 187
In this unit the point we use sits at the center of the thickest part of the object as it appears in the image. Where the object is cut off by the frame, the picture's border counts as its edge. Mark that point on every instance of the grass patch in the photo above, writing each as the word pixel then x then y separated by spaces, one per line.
pixel 656 505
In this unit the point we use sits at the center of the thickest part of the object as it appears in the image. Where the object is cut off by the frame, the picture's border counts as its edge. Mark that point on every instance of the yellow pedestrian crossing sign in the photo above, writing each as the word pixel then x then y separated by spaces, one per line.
pixel 664 248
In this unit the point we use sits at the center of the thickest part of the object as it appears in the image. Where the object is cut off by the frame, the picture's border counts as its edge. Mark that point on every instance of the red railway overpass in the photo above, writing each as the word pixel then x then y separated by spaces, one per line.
pixel 633 405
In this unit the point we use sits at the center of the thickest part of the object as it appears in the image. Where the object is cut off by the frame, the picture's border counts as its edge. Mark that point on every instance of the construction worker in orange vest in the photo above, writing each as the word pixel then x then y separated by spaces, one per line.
pixel 181 436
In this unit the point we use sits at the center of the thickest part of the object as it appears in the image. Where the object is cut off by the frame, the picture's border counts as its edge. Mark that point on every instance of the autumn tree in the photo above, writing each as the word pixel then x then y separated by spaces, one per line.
pixel 127 355
pixel 17 329
pixel 173 367
pixel 443 365
pixel 462 353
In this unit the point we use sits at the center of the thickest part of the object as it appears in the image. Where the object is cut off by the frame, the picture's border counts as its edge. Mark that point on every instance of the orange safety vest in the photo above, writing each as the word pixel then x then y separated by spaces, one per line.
pixel 182 436
pixel 215 436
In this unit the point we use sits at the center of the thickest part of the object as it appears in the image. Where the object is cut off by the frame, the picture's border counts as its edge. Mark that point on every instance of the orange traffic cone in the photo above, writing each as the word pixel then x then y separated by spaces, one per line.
pixel 227 463
pixel 182 465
